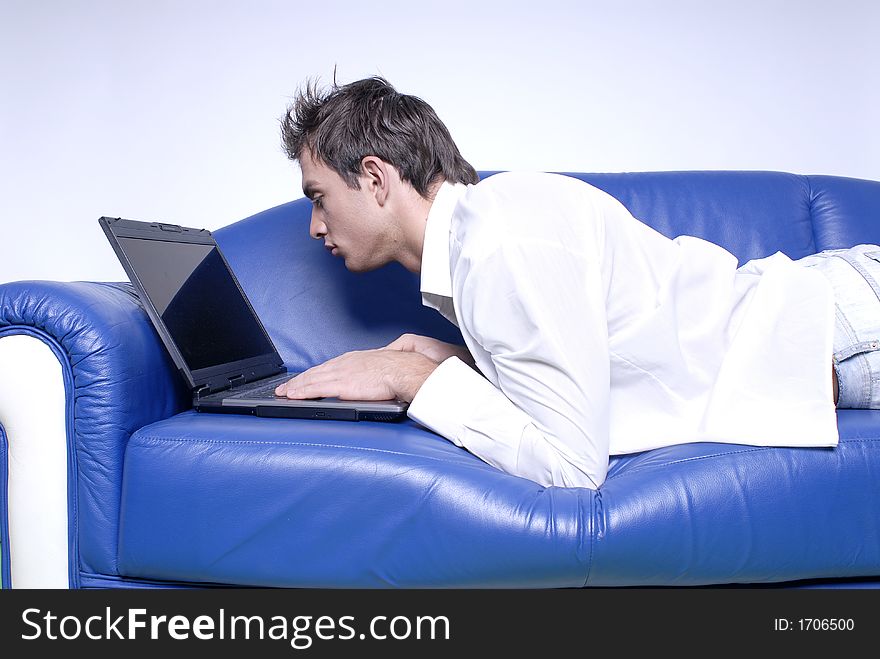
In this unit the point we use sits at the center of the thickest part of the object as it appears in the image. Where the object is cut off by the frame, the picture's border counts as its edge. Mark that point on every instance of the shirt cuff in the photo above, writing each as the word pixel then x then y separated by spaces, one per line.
pixel 447 396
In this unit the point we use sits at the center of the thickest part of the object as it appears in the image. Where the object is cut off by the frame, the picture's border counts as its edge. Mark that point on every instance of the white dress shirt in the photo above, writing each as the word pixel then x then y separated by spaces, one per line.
pixel 596 335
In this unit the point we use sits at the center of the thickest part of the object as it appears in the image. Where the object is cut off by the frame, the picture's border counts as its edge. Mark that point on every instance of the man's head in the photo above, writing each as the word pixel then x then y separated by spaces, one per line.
pixel 371 160
pixel 341 126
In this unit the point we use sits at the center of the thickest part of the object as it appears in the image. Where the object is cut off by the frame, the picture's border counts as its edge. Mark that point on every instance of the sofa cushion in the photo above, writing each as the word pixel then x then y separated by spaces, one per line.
pixel 284 502
pixel 750 214
pixel 243 500
pixel 714 513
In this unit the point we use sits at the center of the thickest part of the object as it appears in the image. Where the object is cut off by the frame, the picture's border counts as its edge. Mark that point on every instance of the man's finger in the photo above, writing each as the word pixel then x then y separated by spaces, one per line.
pixel 317 382
pixel 296 381
pixel 281 389
pixel 312 390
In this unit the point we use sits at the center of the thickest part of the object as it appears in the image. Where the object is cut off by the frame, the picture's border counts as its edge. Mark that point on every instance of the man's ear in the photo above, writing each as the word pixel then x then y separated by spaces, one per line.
pixel 375 175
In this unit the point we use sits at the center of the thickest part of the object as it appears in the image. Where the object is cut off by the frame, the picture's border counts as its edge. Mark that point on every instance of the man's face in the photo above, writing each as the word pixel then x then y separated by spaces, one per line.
pixel 350 222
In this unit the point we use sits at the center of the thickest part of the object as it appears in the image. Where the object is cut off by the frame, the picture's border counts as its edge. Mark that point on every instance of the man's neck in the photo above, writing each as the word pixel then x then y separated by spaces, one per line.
pixel 415 219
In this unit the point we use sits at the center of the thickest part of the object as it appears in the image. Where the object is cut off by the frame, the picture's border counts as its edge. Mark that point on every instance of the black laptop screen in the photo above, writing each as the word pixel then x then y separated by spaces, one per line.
pixel 192 290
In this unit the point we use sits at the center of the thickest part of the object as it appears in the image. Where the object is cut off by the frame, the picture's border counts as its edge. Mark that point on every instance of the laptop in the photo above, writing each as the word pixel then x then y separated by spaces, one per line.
pixel 211 330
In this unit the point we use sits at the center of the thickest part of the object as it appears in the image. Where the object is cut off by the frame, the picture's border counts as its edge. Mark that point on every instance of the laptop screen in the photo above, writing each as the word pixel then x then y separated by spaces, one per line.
pixel 192 290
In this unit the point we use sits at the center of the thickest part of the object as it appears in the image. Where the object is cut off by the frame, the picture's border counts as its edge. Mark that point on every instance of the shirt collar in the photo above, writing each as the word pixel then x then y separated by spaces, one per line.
pixel 436 278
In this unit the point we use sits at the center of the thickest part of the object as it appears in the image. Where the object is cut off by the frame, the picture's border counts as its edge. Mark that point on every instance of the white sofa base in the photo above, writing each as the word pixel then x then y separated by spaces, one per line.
pixel 33 414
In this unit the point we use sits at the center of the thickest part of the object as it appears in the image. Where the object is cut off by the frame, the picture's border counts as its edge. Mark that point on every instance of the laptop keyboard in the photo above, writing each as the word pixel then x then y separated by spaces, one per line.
pixel 265 390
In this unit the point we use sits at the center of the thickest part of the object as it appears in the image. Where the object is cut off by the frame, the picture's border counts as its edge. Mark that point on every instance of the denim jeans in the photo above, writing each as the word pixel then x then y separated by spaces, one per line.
pixel 855 277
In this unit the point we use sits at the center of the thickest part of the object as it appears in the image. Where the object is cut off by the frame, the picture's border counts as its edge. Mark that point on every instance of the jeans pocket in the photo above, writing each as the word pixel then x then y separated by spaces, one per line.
pixel 856 349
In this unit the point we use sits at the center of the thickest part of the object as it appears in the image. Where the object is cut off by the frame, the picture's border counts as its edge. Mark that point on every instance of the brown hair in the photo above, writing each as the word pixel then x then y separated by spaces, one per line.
pixel 343 125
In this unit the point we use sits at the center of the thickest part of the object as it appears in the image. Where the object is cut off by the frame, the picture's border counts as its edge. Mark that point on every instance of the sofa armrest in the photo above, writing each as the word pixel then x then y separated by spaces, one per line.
pixel 115 377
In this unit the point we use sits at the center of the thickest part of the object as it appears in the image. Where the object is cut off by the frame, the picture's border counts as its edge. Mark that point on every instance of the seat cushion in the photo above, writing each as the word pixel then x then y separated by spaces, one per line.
pixel 285 502
pixel 282 502
pixel 715 513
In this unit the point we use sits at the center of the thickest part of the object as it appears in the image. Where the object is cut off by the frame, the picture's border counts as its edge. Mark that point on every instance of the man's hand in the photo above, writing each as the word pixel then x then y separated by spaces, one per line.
pixel 435 350
pixel 380 374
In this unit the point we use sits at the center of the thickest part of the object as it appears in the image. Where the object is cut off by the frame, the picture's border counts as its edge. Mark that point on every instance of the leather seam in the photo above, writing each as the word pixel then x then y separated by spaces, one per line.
pixel 811 198
pixel 181 440
pixel 591 533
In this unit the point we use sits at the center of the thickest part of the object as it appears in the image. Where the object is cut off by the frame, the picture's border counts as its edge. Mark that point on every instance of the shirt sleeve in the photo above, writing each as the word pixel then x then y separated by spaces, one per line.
pixel 538 310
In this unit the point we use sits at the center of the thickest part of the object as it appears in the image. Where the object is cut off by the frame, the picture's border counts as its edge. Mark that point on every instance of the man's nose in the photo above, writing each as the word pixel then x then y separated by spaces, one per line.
pixel 317 229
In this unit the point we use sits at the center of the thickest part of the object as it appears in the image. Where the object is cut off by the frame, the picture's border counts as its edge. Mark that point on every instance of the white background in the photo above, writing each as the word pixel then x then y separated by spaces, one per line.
pixel 168 110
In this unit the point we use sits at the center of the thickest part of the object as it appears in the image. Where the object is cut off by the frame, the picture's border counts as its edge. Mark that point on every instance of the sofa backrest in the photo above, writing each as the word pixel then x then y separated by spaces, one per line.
pixel 314 309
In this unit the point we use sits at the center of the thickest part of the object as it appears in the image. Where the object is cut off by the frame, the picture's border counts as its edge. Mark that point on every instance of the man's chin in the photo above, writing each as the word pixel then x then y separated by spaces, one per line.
pixel 354 266
pixel 361 265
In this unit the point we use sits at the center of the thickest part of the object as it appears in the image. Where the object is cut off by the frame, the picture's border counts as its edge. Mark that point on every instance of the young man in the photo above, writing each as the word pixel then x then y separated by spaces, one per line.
pixel 588 333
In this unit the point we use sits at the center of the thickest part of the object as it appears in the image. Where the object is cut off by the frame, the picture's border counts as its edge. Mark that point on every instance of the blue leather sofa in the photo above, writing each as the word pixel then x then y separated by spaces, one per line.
pixel 158 494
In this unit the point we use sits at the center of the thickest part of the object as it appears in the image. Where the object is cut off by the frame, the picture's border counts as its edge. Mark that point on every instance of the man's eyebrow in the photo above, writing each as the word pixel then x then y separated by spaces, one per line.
pixel 309 189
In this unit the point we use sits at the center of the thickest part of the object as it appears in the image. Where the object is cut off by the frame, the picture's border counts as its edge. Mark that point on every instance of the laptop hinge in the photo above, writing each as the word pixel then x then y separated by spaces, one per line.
pixel 204 390
pixel 236 380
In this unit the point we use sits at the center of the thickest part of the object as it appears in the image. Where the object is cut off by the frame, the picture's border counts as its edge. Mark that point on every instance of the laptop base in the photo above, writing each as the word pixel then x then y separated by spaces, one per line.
pixel 276 412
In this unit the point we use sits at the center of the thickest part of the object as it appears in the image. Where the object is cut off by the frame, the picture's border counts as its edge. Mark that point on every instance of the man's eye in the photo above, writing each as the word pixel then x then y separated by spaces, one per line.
pixel 318 202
